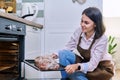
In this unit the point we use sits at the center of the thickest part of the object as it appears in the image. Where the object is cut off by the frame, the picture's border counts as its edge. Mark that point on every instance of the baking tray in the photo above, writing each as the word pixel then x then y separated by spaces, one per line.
pixel 32 64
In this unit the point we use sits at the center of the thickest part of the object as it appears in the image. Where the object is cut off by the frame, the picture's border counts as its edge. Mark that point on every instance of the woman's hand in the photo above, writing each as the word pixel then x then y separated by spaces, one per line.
pixel 54 56
pixel 71 68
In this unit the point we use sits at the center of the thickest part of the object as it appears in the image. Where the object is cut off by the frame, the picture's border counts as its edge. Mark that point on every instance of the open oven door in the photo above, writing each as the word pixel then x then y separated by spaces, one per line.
pixel 32 64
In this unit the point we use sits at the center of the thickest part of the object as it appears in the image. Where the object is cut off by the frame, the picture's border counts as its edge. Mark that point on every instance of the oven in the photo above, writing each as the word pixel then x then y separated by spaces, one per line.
pixel 12 35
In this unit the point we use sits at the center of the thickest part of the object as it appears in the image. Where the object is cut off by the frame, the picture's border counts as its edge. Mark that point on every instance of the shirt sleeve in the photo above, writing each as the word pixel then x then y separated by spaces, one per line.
pixel 72 43
pixel 98 50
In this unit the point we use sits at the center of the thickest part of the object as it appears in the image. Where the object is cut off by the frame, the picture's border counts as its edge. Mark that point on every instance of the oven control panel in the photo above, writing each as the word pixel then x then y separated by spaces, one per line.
pixel 8 26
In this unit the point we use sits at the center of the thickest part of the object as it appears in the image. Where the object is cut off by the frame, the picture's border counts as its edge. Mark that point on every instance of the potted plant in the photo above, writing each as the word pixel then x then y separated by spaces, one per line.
pixel 111 45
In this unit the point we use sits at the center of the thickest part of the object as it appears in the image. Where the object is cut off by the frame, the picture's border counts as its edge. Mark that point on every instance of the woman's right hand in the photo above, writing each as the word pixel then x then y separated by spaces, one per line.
pixel 71 68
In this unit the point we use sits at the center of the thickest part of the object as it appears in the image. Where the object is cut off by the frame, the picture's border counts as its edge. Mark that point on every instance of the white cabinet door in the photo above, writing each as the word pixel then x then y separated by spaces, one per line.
pixel 32 42
pixel 32 50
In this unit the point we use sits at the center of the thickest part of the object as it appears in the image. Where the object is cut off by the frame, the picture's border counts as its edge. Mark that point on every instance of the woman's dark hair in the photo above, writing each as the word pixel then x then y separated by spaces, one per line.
pixel 96 16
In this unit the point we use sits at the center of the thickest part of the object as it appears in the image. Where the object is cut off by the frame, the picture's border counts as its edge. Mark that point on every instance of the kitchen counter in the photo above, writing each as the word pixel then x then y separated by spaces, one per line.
pixel 27 22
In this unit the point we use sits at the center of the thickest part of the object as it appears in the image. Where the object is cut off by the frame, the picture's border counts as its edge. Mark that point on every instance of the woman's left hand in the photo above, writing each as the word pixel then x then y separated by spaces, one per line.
pixel 71 68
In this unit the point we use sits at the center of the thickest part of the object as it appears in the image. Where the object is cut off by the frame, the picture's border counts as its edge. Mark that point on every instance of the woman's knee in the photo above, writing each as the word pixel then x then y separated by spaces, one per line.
pixel 68 55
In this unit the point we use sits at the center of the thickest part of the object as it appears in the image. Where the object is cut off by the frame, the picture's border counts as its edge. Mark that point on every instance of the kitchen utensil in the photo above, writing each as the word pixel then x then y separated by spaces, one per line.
pixel 29 11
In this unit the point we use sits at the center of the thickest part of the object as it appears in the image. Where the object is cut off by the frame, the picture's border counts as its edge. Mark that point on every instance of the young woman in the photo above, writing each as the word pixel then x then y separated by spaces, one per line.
pixel 87 50
pixel 85 55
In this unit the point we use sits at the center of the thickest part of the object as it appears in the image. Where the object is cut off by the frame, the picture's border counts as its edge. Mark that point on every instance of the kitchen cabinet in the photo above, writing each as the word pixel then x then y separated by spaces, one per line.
pixel 32 42
pixel 8 5
pixel 32 50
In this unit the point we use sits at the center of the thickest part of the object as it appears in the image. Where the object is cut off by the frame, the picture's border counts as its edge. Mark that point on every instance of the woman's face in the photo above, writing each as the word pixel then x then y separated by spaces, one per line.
pixel 87 24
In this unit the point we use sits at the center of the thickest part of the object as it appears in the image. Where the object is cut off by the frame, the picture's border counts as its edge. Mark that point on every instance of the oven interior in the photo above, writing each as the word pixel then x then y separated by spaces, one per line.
pixel 9 60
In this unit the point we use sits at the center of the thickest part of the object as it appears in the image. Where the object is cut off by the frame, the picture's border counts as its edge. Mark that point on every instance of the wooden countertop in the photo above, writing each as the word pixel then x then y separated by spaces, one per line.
pixel 15 18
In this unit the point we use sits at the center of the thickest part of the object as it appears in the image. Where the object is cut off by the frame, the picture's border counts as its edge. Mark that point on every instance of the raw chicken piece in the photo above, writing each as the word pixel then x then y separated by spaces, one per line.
pixel 47 62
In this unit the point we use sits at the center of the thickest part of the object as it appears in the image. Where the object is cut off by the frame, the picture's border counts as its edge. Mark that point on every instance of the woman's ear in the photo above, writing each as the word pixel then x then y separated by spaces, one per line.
pixel 94 25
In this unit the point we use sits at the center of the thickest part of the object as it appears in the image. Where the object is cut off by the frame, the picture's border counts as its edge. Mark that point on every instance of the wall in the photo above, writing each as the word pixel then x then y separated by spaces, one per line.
pixel 110 8
pixel 113 29
pixel 112 26
pixel 62 17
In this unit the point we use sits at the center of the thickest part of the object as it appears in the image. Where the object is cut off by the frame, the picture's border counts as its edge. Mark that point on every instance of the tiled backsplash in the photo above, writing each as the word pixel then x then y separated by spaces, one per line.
pixel 39 3
pixel 32 0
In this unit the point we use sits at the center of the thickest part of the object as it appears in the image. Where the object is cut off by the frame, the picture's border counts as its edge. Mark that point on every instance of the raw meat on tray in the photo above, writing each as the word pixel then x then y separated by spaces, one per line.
pixel 47 62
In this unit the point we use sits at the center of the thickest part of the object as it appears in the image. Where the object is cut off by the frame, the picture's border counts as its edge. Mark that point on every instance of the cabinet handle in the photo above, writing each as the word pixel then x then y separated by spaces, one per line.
pixel 36 29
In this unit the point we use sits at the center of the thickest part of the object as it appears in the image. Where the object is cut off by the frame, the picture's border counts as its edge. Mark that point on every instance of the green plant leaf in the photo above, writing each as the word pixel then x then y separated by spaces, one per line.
pixel 111 45
pixel 109 39
pixel 109 48
pixel 112 40
pixel 114 46
pixel 113 52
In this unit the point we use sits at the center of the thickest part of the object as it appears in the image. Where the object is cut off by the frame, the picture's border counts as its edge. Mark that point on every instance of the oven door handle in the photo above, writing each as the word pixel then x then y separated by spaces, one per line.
pixel 8 39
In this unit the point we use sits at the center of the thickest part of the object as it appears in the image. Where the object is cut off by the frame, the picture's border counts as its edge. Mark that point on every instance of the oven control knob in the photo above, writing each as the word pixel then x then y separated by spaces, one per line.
pixel 19 29
pixel 8 27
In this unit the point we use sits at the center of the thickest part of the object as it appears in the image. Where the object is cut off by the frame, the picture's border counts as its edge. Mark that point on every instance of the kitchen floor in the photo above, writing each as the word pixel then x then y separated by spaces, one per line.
pixel 117 75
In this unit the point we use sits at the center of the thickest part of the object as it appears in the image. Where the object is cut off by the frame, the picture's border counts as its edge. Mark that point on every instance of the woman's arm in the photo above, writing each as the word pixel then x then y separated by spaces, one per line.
pixel 98 50
pixel 72 43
